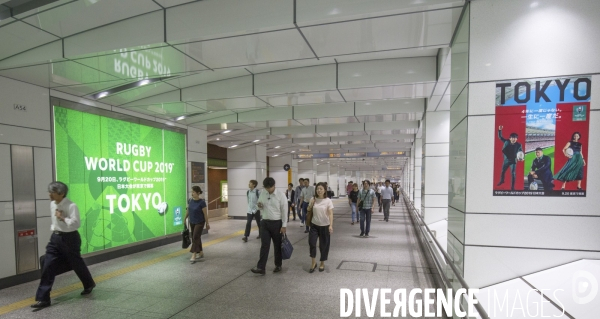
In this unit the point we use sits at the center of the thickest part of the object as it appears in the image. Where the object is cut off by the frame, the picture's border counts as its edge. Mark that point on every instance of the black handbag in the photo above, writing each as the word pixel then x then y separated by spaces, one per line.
pixel 286 248
pixel 360 205
pixel 186 241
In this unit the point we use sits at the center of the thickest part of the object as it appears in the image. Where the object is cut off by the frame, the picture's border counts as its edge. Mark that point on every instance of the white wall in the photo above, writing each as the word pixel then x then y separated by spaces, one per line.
pixel 279 174
pixel 322 172
pixel 509 237
pixel 27 128
pixel 243 165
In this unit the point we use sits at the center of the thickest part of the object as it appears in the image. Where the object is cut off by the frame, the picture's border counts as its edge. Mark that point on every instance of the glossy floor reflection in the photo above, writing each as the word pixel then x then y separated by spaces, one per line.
pixel 222 286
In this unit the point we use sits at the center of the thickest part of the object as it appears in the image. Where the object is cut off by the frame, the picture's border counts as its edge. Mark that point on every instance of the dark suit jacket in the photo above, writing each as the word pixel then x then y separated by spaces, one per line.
pixel 542 168
pixel 290 195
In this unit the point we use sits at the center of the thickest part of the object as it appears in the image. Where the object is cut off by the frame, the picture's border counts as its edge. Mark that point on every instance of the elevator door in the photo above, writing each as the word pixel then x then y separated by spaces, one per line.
pixel 24 208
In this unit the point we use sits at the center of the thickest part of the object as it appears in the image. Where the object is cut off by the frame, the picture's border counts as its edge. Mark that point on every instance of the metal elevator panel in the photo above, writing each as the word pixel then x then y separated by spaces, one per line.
pixel 23 181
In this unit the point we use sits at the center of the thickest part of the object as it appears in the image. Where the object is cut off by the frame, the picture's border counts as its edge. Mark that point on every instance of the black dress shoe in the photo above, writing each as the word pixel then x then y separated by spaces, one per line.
pixel 322 269
pixel 245 239
pixel 257 237
pixel 313 269
pixel 41 304
pixel 277 269
pixel 257 271
pixel 88 291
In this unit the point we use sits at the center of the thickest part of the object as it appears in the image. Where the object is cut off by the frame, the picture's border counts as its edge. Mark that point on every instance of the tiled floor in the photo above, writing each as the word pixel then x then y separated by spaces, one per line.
pixel 222 286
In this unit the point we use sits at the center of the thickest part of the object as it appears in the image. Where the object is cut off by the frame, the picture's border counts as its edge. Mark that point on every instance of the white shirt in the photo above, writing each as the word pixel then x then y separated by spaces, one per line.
pixel 380 188
pixel 308 193
pixel 320 215
pixel 387 192
pixel 274 206
pixel 70 213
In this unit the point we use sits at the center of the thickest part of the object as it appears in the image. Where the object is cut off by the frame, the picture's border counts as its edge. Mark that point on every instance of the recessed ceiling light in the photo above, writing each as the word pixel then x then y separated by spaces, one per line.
pixel 218 139
pixel 256 141
pixel 232 146
pixel 277 146
pixel 101 95
pixel 293 151
pixel 180 118
pixel 226 131
pixel 275 155
pixel 144 82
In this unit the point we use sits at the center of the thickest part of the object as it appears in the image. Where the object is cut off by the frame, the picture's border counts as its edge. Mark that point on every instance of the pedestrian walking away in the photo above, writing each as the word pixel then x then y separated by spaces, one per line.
pixel 290 194
pixel 307 194
pixel 387 194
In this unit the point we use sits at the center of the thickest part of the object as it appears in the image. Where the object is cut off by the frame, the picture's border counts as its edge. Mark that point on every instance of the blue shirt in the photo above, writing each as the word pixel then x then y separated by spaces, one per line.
pixel 195 212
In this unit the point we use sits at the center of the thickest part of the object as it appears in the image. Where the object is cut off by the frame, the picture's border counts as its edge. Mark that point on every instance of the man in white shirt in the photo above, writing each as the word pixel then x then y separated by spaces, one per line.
pixel 307 194
pixel 387 193
pixel 64 245
pixel 253 213
pixel 273 209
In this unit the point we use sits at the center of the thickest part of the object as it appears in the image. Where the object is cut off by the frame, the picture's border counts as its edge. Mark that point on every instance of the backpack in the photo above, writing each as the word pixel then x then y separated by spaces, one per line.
pixel 248 192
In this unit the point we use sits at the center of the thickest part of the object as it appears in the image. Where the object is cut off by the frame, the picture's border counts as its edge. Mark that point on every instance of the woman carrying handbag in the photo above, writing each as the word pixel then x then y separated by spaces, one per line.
pixel 320 219
pixel 198 217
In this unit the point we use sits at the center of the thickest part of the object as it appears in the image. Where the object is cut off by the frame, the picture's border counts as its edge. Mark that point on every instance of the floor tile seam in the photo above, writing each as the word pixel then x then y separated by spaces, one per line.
pixel 70 288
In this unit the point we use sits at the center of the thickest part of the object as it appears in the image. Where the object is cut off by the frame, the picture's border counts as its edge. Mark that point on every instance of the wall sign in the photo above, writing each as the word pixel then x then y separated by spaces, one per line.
pixel 197 172
pixel 286 167
pixel 126 178
pixel 541 137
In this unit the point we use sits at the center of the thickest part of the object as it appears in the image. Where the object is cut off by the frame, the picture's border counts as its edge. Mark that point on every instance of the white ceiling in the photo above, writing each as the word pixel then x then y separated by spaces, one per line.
pixel 309 76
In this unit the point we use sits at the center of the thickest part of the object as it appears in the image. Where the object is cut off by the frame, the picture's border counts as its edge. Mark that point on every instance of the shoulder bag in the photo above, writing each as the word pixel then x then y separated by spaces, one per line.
pixel 309 212
pixel 362 201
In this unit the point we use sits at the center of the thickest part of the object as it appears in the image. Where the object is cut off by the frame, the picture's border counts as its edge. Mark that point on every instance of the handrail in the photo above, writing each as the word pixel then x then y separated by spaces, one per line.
pixel 214 200
pixel 449 261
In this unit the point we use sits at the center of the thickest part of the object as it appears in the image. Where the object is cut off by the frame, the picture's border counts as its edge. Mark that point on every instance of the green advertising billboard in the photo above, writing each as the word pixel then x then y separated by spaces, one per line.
pixel 120 175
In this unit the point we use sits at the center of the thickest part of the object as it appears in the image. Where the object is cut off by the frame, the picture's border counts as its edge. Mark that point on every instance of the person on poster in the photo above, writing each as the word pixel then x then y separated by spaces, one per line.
pixel 540 169
pixel 573 168
pixel 510 149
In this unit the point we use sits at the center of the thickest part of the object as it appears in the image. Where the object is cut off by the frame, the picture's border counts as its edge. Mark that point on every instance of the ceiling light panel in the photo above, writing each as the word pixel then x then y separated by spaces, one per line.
pixel 225 18
pixel 161 62
pixel 229 88
pixel 303 98
pixel 78 16
pixel 378 34
pixel 387 72
pixel 408 91
pixel 267 47
pixel 307 79
pixel 18 37
pixel 317 11
pixel 130 33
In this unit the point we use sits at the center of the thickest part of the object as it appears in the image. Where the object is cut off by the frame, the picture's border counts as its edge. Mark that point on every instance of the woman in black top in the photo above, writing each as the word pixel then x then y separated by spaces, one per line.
pixel 352 198
pixel 198 217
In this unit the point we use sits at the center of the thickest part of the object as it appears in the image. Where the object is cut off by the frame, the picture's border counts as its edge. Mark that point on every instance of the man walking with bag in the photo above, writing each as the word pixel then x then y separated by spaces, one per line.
pixel 387 195
pixel 273 205
pixel 64 245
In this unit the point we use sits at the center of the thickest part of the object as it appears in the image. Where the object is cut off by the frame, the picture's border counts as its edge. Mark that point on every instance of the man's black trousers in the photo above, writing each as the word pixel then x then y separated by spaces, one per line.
pixel 270 231
pixel 62 248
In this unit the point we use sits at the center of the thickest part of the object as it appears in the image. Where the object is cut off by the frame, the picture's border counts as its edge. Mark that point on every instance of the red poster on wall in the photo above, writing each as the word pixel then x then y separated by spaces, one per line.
pixel 541 137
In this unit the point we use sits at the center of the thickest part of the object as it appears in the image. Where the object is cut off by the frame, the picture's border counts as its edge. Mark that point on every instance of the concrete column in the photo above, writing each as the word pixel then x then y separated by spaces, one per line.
pixel 342 182
pixel 243 165
pixel 434 200
pixel 417 173
pixel 307 169
pixel 333 179
pixel 322 172
pixel 282 177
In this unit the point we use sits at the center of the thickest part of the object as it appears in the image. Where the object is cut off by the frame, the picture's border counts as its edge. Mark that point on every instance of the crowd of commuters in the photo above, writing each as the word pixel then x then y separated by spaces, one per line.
pixel 270 208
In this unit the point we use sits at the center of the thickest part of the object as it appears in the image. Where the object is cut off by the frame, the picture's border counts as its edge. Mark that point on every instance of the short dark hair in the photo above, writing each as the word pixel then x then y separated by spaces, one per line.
pixel 350 182
pixel 387 181
pixel 268 182
pixel 367 181
pixel 290 184
pixel 539 149
pixel 306 179
pixel 254 182
pixel 197 189
pixel 515 135
pixel 301 179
